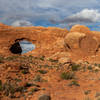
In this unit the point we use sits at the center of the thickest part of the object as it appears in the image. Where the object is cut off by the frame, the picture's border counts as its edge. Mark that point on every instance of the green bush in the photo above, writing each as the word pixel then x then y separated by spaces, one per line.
pixel 90 68
pixel 34 90
pixel 75 67
pixel 42 58
pixel 24 71
pixel 38 78
pixel 42 71
pixel 87 92
pixel 1 59
pixel 74 82
pixel 67 75
pixel 53 60
pixel 0 85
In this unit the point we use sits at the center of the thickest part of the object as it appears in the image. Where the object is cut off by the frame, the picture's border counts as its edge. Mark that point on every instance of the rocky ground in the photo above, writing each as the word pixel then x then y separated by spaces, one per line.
pixel 29 78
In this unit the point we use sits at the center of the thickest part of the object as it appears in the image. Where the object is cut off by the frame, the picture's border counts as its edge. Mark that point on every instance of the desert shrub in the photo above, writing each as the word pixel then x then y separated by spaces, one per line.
pixel 99 65
pixel 34 90
pixel 42 71
pixel 87 92
pixel 97 94
pixel 24 68
pixel 42 58
pixel 74 82
pixel 98 98
pixel 90 68
pixel 88 98
pixel 38 78
pixel 96 70
pixel 95 64
pixel 0 85
pixel 46 66
pixel 1 59
pixel 67 75
pixel 9 89
pixel 11 58
pixel 53 60
pixel 25 71
pixel 75 67
pixel 28 85
pixel 17 80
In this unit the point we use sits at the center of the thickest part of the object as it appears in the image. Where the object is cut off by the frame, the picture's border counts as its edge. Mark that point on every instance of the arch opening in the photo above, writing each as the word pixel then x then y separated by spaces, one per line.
pixel 16 48
pixel 22 46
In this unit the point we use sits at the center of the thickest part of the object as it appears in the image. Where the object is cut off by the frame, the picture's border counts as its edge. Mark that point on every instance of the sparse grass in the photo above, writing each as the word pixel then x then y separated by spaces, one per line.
pixel 25 71
pixel 90 68
pixel 24 68
pixel 67 75
pixel 88 98
pixel 96 70
pixel 53 60
pixel 10 58
pixel 75 67
pixel 1 59
pixel 28 85
pixel 74 82
pixel 0 85
pixel 87 92
pixel 17 80
pixel 42 58
pixel 86 62
pixel 95 64
pixel 97 94
pixel 10 89
pixel 42 71
pixel 99 65
pixel 34 90
pixel 38 78
pixel 46 66
pixel 98 98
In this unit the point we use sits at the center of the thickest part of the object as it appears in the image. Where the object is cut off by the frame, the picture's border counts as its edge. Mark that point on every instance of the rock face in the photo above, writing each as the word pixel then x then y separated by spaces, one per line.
pixel 89 44
pixel 50 40
pixel 80 28
pixel 73 39
pixel 81 39
pixel 45 39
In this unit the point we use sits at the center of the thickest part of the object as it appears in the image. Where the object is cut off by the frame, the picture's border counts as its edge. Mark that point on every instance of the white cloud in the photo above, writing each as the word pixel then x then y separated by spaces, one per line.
pixel 34 10
pixel 84 16
pixel 21 23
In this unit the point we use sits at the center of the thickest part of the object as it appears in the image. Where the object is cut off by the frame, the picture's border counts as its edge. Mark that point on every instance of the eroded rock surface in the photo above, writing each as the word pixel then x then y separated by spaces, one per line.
pixel 79 40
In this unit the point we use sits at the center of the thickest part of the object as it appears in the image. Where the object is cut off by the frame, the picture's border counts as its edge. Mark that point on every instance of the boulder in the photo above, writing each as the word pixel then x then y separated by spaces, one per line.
pixel 80 28
pixel 44 97
pixel 72 40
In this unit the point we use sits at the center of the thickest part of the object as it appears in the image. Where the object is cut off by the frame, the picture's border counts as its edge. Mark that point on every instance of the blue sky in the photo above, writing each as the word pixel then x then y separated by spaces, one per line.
pixel 60 13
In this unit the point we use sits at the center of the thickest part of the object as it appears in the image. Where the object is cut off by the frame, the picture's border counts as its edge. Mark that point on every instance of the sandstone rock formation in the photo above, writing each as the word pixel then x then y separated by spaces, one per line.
pixel 79 40
pixel 45 39
pixel 80 28
pixel 72 40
